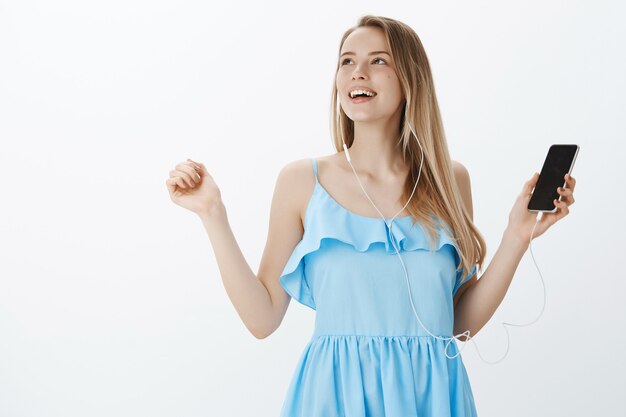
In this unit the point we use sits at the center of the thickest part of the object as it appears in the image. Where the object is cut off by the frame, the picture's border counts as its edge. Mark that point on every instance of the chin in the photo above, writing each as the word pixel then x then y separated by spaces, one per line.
pixel 366 116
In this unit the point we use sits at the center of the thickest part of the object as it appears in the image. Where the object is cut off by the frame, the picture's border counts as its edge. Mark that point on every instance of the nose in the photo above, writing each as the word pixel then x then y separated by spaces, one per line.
pixel 358 73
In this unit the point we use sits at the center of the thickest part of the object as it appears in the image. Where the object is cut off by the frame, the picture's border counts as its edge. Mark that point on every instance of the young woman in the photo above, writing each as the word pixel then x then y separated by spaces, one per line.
pixel 344 228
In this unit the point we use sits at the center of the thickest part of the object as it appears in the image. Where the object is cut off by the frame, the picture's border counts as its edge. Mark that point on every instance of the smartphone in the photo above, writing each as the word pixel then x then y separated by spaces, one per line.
pixel 560 161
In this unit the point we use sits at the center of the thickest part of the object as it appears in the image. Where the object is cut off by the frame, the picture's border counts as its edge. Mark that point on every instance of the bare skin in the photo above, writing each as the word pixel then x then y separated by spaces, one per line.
pixel 337 178
pixel 259 299
pixel 365 62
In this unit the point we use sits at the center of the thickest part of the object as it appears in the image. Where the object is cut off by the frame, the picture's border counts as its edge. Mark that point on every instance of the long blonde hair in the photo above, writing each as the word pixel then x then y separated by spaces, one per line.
pixel 437 190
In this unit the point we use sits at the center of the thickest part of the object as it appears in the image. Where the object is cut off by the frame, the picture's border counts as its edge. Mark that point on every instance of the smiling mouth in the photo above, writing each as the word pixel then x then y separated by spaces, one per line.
pixel 360 99
pixel 362 96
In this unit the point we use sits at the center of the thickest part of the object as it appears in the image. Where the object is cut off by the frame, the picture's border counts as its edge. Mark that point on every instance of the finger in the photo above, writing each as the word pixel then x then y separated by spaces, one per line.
pixel 189 168
pixel 176 182
pixel 179 174
pixel 571 181
pixel 191 175
pixel 568 195
pixel 202 169
pixel 197 166
pixel 195 173
pixel 171 184
pixel 529 185
pixel 564 192
pixel 560 204
pixel 562 210
pixel 183 176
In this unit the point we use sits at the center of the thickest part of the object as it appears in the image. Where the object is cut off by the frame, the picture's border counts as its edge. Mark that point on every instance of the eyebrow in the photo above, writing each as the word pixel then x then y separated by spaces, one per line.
pixel 371 53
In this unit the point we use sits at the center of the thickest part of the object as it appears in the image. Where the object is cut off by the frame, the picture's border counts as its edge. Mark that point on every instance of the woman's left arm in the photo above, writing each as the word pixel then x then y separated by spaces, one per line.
pixel 480 301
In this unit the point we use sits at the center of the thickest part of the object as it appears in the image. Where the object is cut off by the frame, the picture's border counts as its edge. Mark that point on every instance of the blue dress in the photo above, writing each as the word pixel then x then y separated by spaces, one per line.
pixel 368 355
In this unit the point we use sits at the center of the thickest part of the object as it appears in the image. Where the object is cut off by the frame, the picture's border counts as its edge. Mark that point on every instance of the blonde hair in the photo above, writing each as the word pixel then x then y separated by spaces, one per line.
pixel 437 190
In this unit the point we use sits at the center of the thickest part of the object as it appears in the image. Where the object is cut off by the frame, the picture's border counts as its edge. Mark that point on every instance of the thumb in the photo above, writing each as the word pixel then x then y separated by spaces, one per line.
pixel 530 184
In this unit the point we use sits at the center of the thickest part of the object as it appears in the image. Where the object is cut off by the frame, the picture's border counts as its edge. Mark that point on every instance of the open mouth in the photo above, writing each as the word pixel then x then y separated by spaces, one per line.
pixel 359 98
pixel 362 95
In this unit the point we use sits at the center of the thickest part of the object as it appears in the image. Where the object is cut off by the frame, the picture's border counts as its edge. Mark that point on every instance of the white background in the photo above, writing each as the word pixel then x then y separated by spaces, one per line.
pixel 111 302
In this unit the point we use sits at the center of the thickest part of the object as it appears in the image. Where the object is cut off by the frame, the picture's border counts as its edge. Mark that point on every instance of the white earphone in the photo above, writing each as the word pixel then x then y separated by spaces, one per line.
pixel 389 225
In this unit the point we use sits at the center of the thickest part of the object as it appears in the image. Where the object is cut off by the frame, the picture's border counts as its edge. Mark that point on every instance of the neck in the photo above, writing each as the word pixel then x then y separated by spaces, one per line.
pixel 374 152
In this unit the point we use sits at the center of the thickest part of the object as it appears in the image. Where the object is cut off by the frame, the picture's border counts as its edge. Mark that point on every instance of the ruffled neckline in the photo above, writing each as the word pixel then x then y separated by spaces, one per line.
pixel 326 218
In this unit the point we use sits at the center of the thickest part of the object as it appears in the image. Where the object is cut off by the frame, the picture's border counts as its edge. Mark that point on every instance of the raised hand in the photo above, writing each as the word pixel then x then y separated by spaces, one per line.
pixel 522 221
pixel 191 186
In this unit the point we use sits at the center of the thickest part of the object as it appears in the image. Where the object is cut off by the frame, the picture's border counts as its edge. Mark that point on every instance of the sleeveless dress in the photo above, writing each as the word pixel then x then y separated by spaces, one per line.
pixel 368 355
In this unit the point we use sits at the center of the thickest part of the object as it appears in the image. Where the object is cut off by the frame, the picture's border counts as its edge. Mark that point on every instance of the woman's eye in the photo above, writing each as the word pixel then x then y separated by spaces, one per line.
pixel 375 59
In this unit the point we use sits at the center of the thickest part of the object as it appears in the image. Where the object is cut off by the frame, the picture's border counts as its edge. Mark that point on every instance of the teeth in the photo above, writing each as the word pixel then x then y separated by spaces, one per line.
pixel 356 92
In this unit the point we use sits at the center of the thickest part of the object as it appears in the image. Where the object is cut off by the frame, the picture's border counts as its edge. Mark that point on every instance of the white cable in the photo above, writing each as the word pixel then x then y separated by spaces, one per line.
pixel 390 236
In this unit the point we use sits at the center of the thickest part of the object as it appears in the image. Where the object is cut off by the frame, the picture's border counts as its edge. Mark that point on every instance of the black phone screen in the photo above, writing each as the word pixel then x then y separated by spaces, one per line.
pixel 560 161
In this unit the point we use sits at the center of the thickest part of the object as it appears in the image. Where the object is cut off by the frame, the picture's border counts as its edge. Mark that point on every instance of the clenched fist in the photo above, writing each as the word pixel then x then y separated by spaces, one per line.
pixel 191 186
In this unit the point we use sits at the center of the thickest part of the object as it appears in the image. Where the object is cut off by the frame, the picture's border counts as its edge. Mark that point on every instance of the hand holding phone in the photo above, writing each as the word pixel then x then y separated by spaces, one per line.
pixel 540 195
pixel 559 161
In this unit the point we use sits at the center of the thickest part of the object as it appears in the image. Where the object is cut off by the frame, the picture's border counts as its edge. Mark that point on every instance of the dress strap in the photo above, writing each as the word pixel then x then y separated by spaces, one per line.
pixel 314 162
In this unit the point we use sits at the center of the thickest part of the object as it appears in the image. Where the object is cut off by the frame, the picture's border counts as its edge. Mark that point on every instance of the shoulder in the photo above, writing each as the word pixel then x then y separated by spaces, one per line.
pixel 463 182
pixel 297 175
pixel 297 180
pixel 460 172
pixel 296 168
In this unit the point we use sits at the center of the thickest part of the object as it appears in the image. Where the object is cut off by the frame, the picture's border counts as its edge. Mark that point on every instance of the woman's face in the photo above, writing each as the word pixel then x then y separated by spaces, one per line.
pixel 375 72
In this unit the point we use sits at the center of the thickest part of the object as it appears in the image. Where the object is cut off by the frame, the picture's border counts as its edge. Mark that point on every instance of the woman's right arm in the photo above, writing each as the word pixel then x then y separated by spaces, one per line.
pixel 259 299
